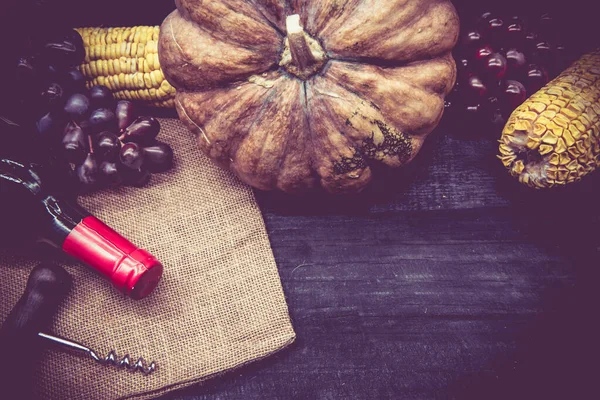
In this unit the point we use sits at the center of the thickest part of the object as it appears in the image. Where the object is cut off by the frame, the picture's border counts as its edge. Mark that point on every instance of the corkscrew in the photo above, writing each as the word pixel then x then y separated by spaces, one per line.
pixel 20 334
pixel 110 359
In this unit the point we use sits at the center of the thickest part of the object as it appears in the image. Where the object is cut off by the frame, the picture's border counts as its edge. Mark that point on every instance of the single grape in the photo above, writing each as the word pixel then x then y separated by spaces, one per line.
pixel 136 177
pixel 51 72
pixel 158 157
pixel 495 31
pixel 65 47
pixel 103 119
pixel 75 81
pixel 517 20
pixel 543 53
pixel 125 114
pixel 77 106
pixel 470 42
pixel 132 155
pixel 517 63
pixel 101 97
pixel 546 26
pixel 108 146
pixel 88 172
pixel 48 125
pixel 483 21
pixel 530 42
pixel 110 174
pixel 26 73
pixel 481 56
pixel 25 68
pixel 52 97
pixel 75 143
pixel 495 66
pixel 475 88
pixel 514 94
pixel 74 37
pixel 537 78
pixel 143 130
pixel 515 33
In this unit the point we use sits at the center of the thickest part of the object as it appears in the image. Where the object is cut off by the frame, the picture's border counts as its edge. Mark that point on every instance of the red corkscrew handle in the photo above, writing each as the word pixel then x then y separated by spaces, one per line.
pixel 132 270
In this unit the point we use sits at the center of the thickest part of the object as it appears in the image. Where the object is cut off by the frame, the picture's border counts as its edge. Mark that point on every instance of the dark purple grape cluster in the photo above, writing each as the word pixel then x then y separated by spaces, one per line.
pixel 107 144
pixel 45 74
pixel 103 141
pixel 501 61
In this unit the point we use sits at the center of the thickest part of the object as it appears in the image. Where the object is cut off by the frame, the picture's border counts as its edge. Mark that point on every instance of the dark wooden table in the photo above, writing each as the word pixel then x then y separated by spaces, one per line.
pixel 446 280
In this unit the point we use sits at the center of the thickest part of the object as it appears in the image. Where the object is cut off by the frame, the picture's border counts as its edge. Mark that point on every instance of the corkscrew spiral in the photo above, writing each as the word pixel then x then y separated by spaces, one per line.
pixel 125 362
pixel 110 359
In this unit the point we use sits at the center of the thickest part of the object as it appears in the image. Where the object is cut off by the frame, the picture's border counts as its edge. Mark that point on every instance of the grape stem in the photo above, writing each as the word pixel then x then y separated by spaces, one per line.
pixel 91 143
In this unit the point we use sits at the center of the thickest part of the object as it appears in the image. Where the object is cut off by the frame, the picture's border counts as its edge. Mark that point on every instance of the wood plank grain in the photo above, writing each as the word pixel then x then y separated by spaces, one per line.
pixel 422 305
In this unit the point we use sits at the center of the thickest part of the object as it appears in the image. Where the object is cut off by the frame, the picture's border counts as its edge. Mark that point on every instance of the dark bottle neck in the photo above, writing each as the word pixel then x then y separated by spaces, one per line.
pixel 59 219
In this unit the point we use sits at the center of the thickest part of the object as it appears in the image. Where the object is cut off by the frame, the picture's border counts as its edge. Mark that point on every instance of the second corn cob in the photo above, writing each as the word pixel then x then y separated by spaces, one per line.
pixel 554 137
pixel 126 61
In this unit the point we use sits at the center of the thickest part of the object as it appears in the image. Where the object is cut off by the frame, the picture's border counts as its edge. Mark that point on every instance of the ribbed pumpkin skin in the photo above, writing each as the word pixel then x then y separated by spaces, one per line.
pixel 290 110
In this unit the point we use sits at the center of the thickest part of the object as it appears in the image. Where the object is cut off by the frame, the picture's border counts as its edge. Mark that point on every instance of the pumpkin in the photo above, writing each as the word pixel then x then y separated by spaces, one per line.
pixel 297 94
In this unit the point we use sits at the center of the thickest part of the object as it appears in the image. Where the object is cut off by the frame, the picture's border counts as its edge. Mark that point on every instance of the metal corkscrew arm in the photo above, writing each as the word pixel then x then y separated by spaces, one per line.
pixel 111 358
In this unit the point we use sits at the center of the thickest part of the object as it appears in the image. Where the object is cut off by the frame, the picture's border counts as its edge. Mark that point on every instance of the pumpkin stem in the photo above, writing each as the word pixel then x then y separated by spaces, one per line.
pixel 303 55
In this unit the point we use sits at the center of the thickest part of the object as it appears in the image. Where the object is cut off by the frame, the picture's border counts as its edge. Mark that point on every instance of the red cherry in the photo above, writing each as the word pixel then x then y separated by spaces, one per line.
pixel 484 20
pixel 543 47
pixel 531 40
pixel 487 15
pixel 561 50
pixel 495 24
pixel 471 39
pixel 542 54
pixel 482 54
pixel 546 18
pixel 470 42
pixel 476 88
pixel 546 25
pixel 495 66
pixel 516 62
pixel 516 19
pixel 514 94
pixel 495 30
pixel 537 77
pixel 515 34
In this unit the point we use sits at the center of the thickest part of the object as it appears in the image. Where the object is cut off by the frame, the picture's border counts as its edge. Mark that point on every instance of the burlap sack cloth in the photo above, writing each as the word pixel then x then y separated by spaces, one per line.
pixel 220 303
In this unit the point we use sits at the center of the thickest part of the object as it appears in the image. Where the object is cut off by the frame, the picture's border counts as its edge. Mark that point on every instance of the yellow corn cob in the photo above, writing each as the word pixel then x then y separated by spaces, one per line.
pixel 126 61
pixel 554 137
